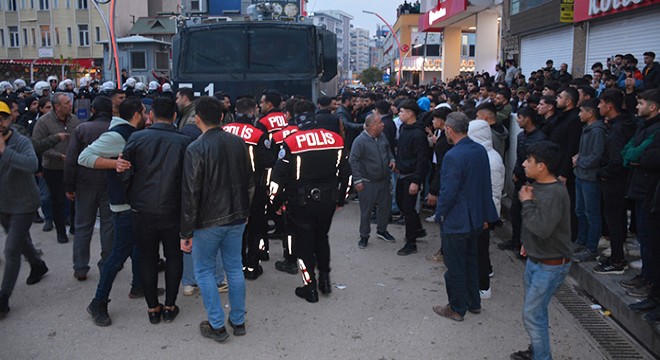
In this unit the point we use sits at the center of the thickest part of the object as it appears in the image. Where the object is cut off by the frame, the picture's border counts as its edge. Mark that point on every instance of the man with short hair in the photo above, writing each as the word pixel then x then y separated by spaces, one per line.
pixel 651 71
pixel 151 167
pixel 324 116
pixel 465 207
pixel 57 121
pixel 88 188
pixel 563 76
pixel 504 107
pixel 103 154
pixel 117 96
pixel 20 200
pixel 185 107
pixel 217 188
pixel 371 160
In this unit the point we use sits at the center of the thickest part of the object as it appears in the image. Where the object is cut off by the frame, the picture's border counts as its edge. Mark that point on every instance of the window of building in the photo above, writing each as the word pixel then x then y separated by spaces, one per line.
pixel 83 35
pixel 138 60
pixel 2 37
pixel 57 36
pixel 162 60
pixel 11 5
pixel 23 4
pixel 69 36
pixel 68 4
pixel 31 4
pixel 82 4
pixel 45 36
pixel 522 5
pixel 468 45
pixel 56 4
pixel 13 37
pixel 97 31
pixel 44 4
pixel 34 36
pixel 25 37
pixel 195 5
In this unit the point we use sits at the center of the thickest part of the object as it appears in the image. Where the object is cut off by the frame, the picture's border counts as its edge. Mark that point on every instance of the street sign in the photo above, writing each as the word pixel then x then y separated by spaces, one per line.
pixel 566 11
pixel 405 47
pixel 386 77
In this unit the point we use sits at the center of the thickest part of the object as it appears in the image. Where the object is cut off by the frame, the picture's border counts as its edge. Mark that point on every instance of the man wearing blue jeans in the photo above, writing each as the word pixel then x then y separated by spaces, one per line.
pixel 217 188
pixel 188 279
pixel 546 237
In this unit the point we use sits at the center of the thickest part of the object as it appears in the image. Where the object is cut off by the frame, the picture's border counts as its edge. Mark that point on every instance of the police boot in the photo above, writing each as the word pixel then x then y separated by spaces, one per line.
pixel 324 283
pixel 308 292
pixel 287 265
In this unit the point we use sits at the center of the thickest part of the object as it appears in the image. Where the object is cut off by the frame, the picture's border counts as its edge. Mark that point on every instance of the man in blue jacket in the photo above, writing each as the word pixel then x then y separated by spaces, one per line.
pixel 465 207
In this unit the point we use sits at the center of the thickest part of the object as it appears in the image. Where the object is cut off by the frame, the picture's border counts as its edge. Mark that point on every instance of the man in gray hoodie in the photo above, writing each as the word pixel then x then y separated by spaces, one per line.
pixel 587 186
pixel 371 160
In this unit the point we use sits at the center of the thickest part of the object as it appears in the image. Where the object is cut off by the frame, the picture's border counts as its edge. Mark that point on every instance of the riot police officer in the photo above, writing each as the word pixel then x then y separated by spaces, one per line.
pixel 261 157
pixel 310 168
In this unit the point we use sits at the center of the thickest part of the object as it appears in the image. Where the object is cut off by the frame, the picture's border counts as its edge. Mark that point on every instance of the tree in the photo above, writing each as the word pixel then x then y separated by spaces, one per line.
pixel 371 75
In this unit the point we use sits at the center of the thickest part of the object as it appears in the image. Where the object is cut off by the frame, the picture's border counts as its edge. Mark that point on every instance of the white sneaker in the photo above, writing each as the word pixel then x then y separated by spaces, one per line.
pixel 637 264
pixel 607 252
pixel 189 290
pixel 485 294
pixel 223 287
pixel 430 219
pixel 631 244
pixel 491 274
pixel 603 243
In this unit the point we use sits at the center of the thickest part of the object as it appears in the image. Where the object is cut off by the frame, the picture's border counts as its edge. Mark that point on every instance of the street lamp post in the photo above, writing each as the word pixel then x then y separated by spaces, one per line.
pixel 398 75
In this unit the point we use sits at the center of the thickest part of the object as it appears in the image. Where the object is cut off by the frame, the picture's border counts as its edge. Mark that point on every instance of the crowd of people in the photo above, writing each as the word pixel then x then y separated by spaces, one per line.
pixel 586 153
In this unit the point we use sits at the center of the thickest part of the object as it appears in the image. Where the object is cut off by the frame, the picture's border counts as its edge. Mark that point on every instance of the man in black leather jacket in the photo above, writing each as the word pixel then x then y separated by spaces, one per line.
pixel 152 167
pixel 215 202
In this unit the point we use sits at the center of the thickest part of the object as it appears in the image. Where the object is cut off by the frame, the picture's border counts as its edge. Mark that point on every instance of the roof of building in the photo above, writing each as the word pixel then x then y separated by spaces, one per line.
pixel 153 26
pixel 137 39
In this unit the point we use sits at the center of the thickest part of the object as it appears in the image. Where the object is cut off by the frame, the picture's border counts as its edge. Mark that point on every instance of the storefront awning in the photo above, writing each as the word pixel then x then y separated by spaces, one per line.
pixel 86 63
pixel 440 13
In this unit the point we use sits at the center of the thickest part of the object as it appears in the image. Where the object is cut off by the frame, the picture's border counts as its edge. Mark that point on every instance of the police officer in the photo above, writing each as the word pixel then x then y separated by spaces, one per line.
pixel 261 157
pixel 310 168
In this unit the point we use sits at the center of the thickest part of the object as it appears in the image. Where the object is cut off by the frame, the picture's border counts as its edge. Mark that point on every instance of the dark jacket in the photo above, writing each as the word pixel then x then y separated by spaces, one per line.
pixel 524 141
pixel 328 120
pixel 85 134
pixel 153 184
pixel 592 146
pixel 651 75
pixel 48 125
pixel 566 132
pixel 351 129
pixel 390 132
pixel 642 177
pixel 217 184
pixel 440 149
pixel 650 161
pixel 465 200
pixel 412 153
pixel 621 130
pixel 18 188
pixel 40 145
pixel 370 158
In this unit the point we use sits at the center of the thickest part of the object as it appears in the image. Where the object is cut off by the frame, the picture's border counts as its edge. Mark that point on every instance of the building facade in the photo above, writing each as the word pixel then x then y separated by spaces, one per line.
pixel 359 49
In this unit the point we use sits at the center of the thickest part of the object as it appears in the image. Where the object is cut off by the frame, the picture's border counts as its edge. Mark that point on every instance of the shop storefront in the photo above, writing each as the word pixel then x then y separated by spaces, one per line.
pixel 536 49
pixel 619 27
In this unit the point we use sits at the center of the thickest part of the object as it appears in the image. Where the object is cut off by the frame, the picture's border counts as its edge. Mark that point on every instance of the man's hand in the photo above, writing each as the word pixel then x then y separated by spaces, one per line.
pixel 359 187
pixel 526 193
pixel 392 166
pixel 186 245
pixel 431 200
pixel 514 178
pixel 575 159
pixel 122 165
pixel 63 157
pixel 413 189
pixel 63 136
pixel 70 195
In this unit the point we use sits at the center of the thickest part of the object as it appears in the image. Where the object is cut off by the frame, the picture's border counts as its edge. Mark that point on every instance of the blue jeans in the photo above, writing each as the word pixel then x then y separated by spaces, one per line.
pixel 227 240
pixel 123 247
pixel 461 277
pixel 188 278
pixel 587 210
pixel 641 217
pixel 395 177
pixel 44 194
pixel 540 282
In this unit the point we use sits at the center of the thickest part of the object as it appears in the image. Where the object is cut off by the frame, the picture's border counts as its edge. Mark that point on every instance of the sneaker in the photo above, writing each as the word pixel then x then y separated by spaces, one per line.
pixel 36 273
pixel 485 294
pixel 420 233
pixel 603 243
pixel 610 268
pixel 633 282
pixel 430 219
pixel 644 305
pixel 607 252
pixel 446 311
pixel 437 257
pixel 634 251
pixel 653 317
pixel 79 276
pixel 208 331
pixel 62 239
pixel 523 355
pixel 99 311
pixel 253 274
pixel 189 290
pixel 637 264
pixel 239 330
pixel 385 236
pixel 223 288
pixel 48 225
pixel 363 242
pixel 491 274
pixel 641 292
pixel 584 256
pixel 631 244
pixel 170 314
pixel 283 265
pixel 407 249
pixel 400 221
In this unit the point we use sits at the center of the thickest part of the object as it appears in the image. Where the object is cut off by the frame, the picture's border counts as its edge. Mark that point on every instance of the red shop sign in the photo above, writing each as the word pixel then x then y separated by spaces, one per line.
pixel 591 9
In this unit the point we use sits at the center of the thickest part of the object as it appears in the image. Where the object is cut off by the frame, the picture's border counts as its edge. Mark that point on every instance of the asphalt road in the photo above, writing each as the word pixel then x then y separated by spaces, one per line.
pixel 383 311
